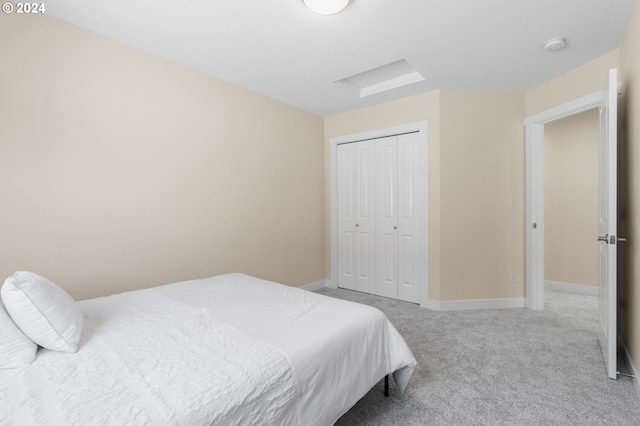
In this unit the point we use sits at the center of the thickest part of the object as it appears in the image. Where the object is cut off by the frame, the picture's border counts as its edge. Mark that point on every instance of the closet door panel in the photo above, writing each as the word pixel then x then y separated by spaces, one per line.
pixel 386 217
pixel 365 224
pixel 347 216
pixel 379 212
pixel 408 225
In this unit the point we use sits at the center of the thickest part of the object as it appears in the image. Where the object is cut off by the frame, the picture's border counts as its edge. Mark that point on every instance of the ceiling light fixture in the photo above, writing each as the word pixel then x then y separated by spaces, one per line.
pixel 326 7
pixel 555 44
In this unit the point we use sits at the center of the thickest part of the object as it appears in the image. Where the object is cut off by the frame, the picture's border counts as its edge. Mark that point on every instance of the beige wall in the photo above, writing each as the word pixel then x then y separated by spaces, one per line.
pixel 571 199
pixel 407 110
pixel 123 170
pixel 629 164
pixel 476 160
pixel 582 81
pixel 120 170
pixel 482 169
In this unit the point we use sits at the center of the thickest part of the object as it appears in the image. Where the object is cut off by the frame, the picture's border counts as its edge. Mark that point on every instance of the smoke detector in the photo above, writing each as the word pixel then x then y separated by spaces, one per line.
pixel 555 44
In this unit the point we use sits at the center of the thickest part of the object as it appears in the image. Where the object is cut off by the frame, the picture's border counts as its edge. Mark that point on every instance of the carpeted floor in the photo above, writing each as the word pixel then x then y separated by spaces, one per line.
pixel 499 367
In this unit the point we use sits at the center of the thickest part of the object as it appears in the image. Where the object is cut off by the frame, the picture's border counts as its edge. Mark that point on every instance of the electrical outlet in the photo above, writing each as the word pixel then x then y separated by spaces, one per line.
pixel 513 278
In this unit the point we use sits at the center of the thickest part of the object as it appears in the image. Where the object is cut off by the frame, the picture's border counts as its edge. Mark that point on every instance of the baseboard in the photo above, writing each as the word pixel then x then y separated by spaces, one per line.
pixel 449 305
pixel 572 288
pixel 463 305
pixel 315 286
pixel 434 305
pixel 634 370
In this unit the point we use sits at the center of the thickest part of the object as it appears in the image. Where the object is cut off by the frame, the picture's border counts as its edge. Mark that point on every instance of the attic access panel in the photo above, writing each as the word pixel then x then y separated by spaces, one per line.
pixel 386 77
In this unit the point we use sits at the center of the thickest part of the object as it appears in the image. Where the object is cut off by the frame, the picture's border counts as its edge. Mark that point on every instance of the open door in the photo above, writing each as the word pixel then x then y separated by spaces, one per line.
pixel 608 223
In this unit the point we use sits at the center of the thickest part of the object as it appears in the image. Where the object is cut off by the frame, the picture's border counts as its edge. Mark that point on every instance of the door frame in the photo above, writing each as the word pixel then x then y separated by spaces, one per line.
pixel 534 166
pixel 421 127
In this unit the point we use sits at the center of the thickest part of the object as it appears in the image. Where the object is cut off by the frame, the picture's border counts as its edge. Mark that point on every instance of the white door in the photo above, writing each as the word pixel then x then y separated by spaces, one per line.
pixel 397 224
pixel 387 217
pixel 347 216
pixel 607 225
pixel 356 216
pixel 409 161
pixel 365 221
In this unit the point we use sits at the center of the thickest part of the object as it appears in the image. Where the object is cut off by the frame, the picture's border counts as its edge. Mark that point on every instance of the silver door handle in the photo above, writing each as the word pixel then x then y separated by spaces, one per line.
pixel 622 240
pixel 604 239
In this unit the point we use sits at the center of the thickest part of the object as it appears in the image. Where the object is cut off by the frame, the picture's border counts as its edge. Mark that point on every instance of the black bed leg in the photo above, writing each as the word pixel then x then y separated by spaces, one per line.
pixel 386 385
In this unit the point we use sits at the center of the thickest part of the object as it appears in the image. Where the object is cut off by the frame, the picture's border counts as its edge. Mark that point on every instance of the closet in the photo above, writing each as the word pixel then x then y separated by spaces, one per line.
pixel 379 216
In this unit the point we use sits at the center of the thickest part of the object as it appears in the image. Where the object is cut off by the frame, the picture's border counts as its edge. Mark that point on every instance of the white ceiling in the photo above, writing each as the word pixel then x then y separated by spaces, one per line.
pixel 283 50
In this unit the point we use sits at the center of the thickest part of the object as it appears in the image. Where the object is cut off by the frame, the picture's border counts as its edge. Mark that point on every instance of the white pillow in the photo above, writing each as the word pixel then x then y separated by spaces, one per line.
pixel 43 311
pixel 16 349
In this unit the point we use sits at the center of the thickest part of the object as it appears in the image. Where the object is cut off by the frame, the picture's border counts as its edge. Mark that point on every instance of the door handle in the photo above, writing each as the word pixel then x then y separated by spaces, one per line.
pixel 612 239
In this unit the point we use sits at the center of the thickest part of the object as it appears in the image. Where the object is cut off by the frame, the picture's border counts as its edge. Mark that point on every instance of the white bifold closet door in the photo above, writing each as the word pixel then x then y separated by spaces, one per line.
pixel 356 212
pixel 378 247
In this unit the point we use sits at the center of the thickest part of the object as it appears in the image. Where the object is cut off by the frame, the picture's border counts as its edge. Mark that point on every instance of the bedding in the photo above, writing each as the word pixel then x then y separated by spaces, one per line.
pixel 16 349
pixel 232 350
pixel 43 311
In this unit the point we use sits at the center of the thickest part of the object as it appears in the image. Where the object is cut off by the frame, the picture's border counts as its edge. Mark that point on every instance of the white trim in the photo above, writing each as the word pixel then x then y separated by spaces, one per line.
pixel 534 166
pixel 572 288
pixel 464 305
pixel 434 305
pixel 534 216
pixel 634 370
pixel 380 133
pixel 419 126
pixel 568 109
pixel 315 286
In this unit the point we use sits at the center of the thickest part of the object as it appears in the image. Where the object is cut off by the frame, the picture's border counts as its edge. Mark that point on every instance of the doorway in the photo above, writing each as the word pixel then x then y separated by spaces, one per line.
pixel 571 203
pixel 606 101
pixel 535 220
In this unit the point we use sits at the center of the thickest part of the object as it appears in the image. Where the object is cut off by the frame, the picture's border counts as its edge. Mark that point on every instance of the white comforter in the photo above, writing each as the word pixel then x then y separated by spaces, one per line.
pixel 225 350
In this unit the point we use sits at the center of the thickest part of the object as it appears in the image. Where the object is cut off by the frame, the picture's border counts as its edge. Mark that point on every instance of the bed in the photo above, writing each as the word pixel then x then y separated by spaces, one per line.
pixel 228 350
